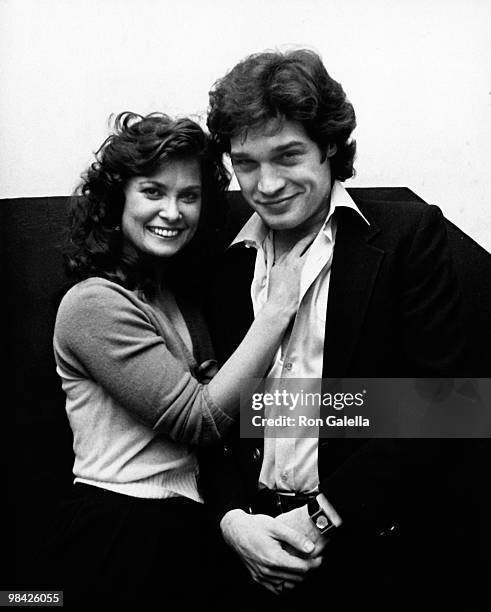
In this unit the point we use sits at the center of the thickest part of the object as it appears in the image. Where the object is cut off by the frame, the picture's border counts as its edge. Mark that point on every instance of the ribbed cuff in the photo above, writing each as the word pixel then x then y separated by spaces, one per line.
pixel 172 483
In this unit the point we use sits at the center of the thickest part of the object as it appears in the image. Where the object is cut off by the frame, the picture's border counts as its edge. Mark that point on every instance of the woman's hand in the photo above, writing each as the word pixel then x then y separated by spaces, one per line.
pixel 284 280
pixel 257 351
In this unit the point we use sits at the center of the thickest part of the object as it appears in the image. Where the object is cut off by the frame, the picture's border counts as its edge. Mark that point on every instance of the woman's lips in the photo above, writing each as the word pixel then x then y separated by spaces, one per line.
pixel 165 232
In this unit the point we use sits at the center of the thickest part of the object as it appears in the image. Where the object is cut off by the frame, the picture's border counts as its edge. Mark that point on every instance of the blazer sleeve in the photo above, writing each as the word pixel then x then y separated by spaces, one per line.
pixel 430 302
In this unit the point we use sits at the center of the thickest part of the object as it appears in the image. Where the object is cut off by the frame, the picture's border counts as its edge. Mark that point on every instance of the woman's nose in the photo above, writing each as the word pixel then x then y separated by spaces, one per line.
pixel 170 210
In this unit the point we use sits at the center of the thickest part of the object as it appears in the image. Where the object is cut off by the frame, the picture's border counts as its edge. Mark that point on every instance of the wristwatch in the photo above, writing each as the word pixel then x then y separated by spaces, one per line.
pixel 319 517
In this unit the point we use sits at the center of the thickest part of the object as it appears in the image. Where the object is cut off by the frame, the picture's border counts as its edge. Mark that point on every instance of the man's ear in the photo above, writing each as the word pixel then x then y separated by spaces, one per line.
pixel 331 150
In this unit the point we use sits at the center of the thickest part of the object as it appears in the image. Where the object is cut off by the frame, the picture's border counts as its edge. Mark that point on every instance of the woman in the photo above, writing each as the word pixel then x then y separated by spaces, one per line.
pixel 136 364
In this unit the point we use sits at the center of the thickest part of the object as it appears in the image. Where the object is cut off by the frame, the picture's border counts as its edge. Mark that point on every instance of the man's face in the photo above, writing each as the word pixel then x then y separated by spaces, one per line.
pixel 281 176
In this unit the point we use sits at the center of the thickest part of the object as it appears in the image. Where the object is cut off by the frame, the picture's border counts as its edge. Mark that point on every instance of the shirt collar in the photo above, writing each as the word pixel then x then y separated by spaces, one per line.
pixel 255 231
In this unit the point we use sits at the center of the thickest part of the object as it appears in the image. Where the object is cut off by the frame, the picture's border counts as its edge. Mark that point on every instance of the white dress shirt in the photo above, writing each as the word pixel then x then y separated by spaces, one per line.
pixel 290 464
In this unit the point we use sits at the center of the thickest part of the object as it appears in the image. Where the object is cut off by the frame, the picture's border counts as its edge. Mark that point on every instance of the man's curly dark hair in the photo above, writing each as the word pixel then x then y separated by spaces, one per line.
pixel 292 86
pixel 140 146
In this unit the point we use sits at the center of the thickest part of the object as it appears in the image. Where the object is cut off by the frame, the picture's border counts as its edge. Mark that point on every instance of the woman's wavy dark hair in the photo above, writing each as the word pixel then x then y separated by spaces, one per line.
pixel 140 146
pixel 294 86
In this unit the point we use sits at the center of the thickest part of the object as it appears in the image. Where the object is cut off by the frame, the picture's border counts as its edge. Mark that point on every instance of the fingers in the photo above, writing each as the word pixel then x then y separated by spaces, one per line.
pixel 276 589
pixel 285 566
pixel 296 540
pixel 316 561
pixel 281 566
pixel 276 586
pixel 283 571
pixel 284 585
pixel 319 549
pixel 288 585
pixel 280 574
pixel 262 544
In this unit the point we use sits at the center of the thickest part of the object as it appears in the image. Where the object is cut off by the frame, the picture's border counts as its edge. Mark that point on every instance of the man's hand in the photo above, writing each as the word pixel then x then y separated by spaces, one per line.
pixel 300 521
pixel 275 554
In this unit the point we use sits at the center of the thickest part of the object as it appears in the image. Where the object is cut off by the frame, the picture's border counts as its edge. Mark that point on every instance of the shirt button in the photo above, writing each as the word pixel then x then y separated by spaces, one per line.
pixel 389 532
pixel 288 365
pixel 284 477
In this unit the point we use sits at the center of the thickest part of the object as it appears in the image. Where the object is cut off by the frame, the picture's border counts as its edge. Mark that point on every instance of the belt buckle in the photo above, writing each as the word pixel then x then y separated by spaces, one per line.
pixel 278 504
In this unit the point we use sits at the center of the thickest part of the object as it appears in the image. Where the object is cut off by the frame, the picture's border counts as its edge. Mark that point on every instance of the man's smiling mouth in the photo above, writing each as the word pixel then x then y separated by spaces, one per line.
pixel 276 202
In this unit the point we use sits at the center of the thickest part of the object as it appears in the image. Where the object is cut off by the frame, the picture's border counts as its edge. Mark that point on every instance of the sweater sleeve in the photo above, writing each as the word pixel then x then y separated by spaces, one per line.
pixel 104 334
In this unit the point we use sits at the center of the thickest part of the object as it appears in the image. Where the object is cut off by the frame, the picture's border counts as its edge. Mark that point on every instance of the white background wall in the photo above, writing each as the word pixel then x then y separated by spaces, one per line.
pixel 417 72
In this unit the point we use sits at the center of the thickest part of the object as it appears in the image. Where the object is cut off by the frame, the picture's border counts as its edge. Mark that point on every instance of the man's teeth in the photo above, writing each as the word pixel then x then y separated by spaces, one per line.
pixel 166 233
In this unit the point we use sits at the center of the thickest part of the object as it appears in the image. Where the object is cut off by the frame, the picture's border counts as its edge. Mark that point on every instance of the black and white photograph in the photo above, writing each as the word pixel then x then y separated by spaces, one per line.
pixel 245 251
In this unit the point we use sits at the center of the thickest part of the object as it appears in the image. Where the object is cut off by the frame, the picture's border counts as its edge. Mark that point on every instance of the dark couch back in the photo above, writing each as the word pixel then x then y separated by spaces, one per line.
pixel 33 277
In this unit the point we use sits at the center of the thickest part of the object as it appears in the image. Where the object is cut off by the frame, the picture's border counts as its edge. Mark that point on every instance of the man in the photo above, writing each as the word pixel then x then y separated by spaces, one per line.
pixel 379 299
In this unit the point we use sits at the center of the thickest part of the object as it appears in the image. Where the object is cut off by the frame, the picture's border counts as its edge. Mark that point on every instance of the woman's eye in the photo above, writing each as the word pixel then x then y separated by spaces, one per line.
pixel 243 165
pixel 190 198
pixel 152 192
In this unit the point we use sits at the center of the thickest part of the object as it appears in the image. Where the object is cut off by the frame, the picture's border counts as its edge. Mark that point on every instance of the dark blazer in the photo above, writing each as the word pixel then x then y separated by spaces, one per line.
pixel 393 311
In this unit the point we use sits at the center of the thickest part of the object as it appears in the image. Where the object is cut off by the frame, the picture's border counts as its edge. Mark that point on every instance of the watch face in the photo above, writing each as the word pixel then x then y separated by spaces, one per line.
pixel 322 522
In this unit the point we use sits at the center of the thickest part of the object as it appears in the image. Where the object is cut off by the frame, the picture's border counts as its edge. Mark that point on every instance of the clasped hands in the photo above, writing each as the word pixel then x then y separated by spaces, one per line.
pixel 278 552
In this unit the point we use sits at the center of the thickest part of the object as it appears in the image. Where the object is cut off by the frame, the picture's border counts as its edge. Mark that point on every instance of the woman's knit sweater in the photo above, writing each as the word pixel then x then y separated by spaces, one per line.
pixel 134 406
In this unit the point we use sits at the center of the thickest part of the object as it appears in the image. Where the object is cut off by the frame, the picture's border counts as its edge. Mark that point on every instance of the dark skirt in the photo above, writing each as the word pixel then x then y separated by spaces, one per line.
pixel 115 549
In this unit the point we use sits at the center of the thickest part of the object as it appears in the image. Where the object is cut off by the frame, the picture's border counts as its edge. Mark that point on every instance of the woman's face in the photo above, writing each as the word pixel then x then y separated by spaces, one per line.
pixel 161 212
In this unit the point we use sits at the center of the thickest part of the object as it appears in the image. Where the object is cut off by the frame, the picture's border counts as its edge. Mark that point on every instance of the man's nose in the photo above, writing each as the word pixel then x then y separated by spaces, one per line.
pixel 270 182
pixel 169 210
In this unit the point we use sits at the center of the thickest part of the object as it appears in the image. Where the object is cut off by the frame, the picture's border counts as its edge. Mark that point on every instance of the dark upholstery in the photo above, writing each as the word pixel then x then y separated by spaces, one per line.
pixel 33 279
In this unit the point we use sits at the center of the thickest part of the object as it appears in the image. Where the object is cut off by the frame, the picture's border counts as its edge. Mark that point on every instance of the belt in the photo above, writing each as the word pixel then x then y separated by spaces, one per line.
pixel 273 503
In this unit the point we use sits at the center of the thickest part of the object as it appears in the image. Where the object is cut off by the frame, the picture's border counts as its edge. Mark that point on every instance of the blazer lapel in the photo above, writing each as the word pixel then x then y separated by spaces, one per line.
pixel 354 269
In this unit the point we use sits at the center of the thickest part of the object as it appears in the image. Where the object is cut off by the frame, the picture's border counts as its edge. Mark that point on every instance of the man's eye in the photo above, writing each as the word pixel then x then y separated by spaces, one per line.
pixel 290 157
